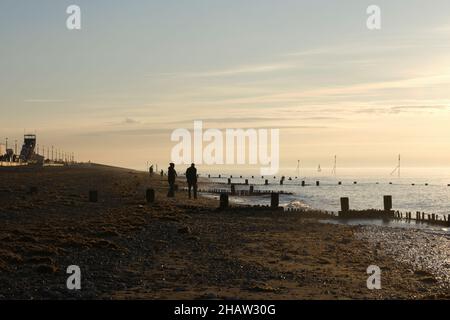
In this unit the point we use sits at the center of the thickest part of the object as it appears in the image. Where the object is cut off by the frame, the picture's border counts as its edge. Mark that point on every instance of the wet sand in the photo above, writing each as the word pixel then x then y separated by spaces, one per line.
pixel 183 249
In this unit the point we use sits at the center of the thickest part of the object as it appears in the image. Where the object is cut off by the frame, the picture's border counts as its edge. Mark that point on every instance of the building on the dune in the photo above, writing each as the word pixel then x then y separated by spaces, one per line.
pixel 27 154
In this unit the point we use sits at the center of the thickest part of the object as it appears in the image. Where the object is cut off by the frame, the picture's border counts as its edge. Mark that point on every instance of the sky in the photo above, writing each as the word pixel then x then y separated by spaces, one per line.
pixel 114 91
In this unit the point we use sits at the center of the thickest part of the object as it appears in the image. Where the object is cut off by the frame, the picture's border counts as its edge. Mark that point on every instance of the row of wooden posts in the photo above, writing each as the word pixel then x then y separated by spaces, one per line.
pixel 275 201
pixel 303 182
pixel 251 191
pixel 224 201
pixel 387 204
pixel 149 195
pixel 421 216
pixel 266 182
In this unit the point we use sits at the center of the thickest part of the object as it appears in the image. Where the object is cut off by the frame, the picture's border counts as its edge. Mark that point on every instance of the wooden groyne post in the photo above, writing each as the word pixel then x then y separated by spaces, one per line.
pixel 93 196
pixel 233 189
pixel 387 201
pixel 274 200
pixel 317 183
pixel 150 195
pixel 33 190
pixel 266 182
pixel 223 201
pixel 303 183
pixel 345 205
pixel 251 189
pixel 229 181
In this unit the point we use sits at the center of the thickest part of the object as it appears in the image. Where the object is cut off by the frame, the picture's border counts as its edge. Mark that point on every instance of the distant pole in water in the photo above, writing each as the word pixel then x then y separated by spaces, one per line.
pixel 333 172
pixel 397 169
pixel 319 169
pixel 298 168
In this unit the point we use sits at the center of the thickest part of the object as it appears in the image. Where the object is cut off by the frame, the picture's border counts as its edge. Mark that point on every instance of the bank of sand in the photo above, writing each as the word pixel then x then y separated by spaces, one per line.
pixel 178 248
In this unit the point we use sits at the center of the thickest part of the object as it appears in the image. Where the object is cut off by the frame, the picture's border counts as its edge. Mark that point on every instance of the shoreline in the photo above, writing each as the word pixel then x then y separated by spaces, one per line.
pixel 180 248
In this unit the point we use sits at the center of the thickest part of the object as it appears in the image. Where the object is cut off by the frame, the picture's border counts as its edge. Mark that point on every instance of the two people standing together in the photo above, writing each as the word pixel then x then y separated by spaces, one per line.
pixel 191 177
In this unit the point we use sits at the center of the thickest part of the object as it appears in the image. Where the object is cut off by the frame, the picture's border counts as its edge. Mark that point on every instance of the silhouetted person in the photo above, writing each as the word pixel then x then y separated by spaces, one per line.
pixel 162 173
pixel 191 177
pixel 150 170
pixel 171 176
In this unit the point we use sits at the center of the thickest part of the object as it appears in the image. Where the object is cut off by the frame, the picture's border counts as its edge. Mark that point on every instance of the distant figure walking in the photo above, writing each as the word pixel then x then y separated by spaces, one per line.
pixel 150 170
pixel 162 173
pixel 191 176
pixel 171 176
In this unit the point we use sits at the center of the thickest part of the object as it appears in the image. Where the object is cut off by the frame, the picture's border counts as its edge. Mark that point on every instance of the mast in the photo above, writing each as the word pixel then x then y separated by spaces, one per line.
pixel 334 165
pixel 398 167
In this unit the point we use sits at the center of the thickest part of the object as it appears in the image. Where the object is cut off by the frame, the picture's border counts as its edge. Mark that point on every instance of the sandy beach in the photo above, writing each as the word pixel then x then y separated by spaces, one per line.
pixel 186 249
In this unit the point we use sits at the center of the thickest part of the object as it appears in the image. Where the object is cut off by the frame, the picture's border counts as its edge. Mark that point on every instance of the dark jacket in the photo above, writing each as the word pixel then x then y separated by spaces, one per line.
pixel 171 175
pixel 191 175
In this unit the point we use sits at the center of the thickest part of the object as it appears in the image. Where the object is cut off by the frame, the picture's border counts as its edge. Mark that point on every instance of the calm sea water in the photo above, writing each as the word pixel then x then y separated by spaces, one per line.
pixel 430 192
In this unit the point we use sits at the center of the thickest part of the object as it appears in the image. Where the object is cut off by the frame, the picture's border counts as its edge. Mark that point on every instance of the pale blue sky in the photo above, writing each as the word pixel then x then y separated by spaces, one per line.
pixel 139 69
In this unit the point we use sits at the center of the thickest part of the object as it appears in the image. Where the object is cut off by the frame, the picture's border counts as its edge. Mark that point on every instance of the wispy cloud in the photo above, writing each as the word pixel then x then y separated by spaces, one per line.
pixel 128 132
pixel 345 90
pixel 417 108
pixel 442 29
pixel 361 48
pixel 241 70
pixel 397 109
pixel 243 120
pixel 129 121
pixel 145 131
pixel 125 122
pixel 44 100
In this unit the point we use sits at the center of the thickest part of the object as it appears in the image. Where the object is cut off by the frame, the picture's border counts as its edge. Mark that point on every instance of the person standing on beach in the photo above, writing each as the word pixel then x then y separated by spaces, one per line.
pixel 191 176
pixel 150 170
pixel 171 176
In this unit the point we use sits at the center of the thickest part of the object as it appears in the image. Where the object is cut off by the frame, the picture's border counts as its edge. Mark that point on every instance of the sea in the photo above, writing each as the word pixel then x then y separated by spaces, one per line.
pixel 414 189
